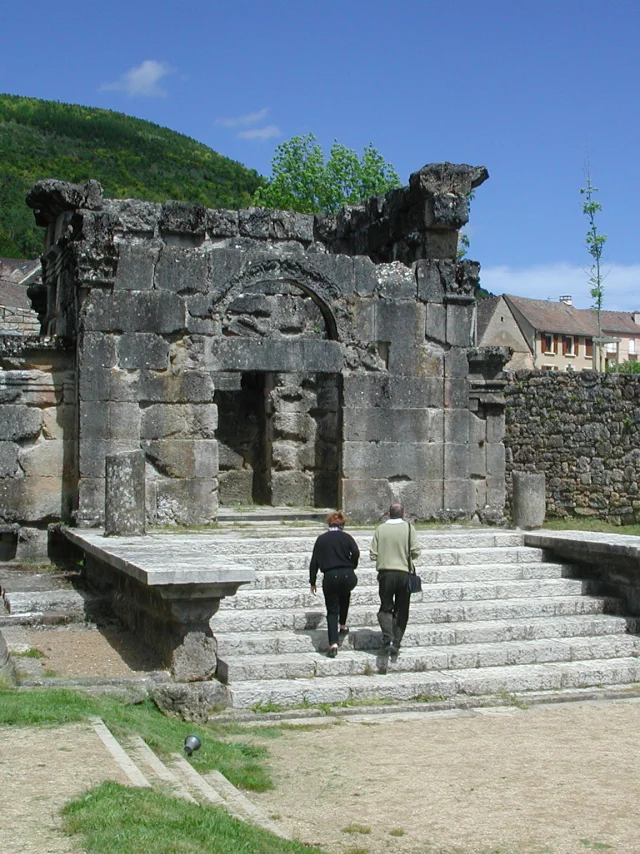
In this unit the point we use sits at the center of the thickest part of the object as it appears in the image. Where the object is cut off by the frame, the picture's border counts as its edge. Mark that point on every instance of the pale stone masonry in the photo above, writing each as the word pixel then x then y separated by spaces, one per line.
pixel 266 356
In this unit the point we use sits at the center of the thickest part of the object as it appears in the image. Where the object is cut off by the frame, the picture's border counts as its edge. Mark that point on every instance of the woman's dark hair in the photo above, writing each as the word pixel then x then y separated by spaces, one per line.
pixel 336 518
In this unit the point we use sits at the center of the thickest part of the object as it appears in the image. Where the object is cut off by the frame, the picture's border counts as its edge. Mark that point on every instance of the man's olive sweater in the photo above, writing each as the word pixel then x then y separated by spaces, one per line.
pixel 389 545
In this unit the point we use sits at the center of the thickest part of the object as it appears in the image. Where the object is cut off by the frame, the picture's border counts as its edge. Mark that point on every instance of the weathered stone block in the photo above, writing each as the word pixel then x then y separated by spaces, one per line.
pixel 191 701
pixel 177 386
pixel 221 223
pixel 422 499
pixel 183 270
pixel 436 324
pixel 456 461
pixel 136 263
pixel 236 486
pixel 394 460
pixel 366 499
pixel 59 422
pixel 289 225
pixel 495 427
pixel 396 281
pixel 291 488
pixel 448 211
pixel 19 423
pixel 183 218
pixel 93 451
pixel 456 393
pixel 160 312
pixel 460 325
pixel 496 460
pixel 184 458
pixel 110 420
pixel 124 509
pixel 294 425
pixel 459 497
pixel 187 502
pixel 254 222
pixel 380 390
pixel 439 244
pixel 48 458
pixel 456 426
pixel 278 356
pixel 179 421
pixel 364 273
pixel 132 215
pixel 393 425
pixel 456 364
pixel 9 459
pixel 34 499
pixel 142 350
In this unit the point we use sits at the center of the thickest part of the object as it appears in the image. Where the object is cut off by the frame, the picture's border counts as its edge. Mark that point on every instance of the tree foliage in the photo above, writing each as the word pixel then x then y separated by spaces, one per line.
pixel 594 241
pixel 130 157
pixel 303 181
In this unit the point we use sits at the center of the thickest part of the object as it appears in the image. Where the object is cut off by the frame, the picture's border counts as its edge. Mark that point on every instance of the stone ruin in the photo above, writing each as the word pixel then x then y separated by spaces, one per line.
pixel 255 356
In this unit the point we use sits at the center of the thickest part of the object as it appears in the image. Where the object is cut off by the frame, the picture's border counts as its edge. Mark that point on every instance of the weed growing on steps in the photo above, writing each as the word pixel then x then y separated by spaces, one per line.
pixel 240 762
pixel 115 819
pixel 32 652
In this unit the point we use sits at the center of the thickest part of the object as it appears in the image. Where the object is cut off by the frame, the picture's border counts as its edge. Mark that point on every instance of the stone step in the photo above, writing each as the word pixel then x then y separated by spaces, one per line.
pixel 447 574
pixel 438 592
pixel 295 573
pixel 225 545
pixel 233 620
pixel 71 602
pixel 513 679
pixel 488 631
pixel 418 659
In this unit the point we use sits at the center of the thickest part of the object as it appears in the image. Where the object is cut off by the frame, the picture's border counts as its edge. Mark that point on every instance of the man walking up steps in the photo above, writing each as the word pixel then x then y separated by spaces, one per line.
pixel 394 544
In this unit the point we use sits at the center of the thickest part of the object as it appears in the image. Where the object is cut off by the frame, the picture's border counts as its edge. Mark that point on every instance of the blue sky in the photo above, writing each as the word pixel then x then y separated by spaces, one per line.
pixel 523 88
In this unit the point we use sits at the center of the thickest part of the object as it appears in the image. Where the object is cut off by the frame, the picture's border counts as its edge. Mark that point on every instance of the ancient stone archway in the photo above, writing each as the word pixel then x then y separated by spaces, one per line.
pixel 279 427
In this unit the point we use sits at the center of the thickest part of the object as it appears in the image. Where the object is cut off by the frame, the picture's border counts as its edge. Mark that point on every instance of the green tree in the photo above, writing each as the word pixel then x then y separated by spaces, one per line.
pixel 595 242
pixel 302 181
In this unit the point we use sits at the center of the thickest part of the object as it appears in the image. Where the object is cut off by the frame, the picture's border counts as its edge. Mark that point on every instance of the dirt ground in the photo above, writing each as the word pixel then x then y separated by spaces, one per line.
pixel 558 779
pixel 40 770
pixel 79 650
pixel 555 779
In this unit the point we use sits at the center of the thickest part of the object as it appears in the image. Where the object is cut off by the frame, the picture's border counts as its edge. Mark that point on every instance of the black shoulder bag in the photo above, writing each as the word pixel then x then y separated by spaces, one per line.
pixel 414 582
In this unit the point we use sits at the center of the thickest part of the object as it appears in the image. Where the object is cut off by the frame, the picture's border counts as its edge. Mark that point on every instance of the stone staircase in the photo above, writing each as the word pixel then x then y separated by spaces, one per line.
pixel 494 617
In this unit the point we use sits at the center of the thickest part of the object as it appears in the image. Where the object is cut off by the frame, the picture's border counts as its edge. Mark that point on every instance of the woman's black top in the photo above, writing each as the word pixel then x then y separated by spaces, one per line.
pixel 333 550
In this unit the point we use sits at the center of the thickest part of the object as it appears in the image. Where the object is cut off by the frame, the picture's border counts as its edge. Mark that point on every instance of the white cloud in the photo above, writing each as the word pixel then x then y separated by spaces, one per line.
pixel 550 281
pixel 244 121
pixel 142 80
pixel 268 132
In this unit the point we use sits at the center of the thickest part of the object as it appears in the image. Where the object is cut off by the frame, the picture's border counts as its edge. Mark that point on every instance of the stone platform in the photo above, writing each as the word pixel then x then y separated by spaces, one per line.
pixel 165 587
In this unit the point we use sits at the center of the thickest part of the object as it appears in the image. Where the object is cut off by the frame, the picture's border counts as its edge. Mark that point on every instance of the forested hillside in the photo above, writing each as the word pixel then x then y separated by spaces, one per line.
pixel 131 158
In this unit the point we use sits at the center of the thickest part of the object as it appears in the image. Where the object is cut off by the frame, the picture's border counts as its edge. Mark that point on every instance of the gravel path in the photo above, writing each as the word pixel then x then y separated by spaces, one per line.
pixel 41 769
pixel 558 779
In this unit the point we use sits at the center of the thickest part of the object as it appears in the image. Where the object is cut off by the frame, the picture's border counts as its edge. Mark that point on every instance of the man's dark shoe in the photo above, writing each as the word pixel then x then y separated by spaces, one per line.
pixel 333 651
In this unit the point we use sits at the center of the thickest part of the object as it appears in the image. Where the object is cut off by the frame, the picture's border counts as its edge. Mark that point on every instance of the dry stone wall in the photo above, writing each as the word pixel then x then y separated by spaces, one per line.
pixel 582 430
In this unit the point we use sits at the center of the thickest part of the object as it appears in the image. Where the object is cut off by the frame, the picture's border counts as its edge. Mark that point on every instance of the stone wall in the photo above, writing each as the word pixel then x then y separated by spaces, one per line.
pixel 38 465
pixel 277 357
pixel 582 429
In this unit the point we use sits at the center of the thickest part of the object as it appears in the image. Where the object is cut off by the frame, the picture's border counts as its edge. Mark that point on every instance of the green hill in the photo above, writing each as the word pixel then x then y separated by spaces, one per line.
pixel 131 158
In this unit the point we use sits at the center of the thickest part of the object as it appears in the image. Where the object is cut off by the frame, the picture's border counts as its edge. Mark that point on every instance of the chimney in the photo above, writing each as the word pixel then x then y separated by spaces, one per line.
pixel 567 299
pixel 636 317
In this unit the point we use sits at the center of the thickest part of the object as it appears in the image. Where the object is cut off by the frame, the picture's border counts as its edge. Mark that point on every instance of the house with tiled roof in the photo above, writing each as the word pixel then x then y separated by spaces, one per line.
pixel 16 312
pixel 556 336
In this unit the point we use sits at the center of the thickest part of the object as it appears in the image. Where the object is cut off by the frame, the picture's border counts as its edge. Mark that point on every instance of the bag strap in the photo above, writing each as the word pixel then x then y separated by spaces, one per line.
pixel 412 568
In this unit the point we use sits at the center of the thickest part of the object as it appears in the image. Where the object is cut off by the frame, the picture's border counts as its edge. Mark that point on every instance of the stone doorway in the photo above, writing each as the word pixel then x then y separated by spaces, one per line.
pixel 280 438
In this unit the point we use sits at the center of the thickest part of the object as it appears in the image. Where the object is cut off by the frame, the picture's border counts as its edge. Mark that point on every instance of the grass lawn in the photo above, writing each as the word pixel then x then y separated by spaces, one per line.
pixel 241 763
pixel 114 819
